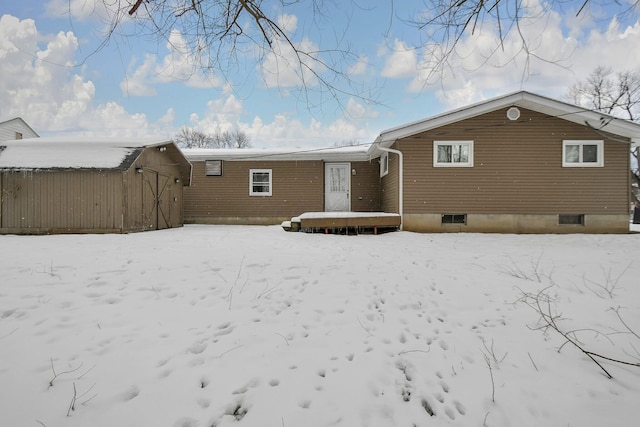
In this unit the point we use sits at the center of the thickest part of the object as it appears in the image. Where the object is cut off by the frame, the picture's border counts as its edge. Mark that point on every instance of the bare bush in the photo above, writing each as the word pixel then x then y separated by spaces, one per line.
pixel 550 321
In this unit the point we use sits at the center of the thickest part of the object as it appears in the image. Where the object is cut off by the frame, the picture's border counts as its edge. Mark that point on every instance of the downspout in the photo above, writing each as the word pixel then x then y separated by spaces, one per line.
pixel 400 179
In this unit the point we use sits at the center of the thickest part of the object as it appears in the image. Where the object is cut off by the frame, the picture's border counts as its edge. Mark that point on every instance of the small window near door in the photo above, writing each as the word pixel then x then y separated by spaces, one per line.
pixel 260 182
pixel 571 219
pixel 213 167
pixel 454 218
pixel 384 164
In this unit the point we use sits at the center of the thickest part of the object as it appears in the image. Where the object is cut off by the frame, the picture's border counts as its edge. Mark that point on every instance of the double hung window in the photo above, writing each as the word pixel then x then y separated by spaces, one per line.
pixel 260 182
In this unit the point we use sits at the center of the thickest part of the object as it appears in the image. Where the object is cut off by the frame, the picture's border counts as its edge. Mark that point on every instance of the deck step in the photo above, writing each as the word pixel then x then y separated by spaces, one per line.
pixel 343 222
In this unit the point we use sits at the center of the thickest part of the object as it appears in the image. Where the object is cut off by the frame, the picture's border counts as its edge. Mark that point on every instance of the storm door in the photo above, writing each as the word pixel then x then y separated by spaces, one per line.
pixel 337 186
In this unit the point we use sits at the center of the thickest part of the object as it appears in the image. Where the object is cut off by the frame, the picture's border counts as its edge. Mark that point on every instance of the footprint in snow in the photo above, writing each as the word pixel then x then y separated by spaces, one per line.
pixel 304 404
pixel 185 422
pixel 197 347
pixel 131 393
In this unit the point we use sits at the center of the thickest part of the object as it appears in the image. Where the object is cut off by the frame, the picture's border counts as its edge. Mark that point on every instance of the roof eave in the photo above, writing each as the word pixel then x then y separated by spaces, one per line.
pixel 579 115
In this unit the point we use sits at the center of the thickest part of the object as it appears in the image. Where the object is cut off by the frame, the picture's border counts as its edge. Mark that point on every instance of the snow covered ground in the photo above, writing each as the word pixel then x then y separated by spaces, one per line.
pixel 252 326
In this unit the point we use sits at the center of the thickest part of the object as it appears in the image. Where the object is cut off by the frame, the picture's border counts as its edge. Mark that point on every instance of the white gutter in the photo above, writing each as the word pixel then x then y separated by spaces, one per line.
pixel 400 178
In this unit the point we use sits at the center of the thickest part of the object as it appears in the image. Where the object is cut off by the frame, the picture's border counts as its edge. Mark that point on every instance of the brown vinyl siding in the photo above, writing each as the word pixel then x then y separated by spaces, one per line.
pixel 365 187
pixel 389 184
pixel 517 170
pixel 297 187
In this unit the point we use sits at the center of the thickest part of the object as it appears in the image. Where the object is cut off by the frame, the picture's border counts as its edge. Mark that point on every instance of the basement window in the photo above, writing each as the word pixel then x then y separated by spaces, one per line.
pixel 565 219
pixel 213 167
pixel 582 153
pixel 454 218
pixel 260 182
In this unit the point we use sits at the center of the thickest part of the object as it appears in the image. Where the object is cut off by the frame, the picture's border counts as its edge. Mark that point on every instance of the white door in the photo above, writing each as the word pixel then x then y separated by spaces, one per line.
pixel 337 186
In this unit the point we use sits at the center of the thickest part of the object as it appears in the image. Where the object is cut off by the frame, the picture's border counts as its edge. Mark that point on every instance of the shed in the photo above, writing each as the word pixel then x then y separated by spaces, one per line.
pixel 89 185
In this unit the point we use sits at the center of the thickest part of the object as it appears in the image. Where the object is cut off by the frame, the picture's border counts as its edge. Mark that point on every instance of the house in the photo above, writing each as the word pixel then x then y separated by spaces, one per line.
pixel 519 163
pixel 16 128
pixel 66 185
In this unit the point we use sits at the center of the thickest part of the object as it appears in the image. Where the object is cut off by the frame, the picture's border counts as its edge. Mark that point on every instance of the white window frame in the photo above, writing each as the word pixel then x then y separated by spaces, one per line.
pixel 260 193
pixel 384 164
pixel 467 164
pixel 580 163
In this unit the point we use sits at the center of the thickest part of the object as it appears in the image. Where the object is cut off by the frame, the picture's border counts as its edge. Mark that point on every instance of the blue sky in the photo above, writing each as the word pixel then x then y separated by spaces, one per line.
pixel 55 78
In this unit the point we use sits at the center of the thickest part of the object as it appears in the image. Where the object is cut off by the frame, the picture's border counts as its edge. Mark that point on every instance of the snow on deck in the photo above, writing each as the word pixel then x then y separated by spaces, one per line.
pixel 324 215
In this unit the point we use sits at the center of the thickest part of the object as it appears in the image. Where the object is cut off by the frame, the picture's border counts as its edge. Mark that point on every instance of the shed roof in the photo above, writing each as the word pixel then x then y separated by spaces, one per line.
pixel 598 121
pixel 73 153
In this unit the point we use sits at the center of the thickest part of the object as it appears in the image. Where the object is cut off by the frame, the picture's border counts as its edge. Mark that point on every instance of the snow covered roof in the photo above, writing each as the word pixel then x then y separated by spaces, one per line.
pixel 600 121
pixel 350 153
pixel 73 153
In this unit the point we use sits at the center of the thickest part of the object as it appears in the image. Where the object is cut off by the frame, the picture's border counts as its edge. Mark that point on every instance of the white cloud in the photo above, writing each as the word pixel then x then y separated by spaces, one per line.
pixel 43 86
pixel 288 23
pixel 283 68
pixel 402 62
pixel 80 9
pixel 359 67
pixel 484 66
pixel 180 64
pixel 284 130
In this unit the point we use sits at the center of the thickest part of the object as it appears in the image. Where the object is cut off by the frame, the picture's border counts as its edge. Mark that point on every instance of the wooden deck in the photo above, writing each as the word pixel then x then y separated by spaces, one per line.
pixel 344 222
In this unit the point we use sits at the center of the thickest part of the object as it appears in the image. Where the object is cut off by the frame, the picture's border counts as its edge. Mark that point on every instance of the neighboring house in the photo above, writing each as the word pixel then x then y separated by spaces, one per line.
pixel 62 185
pixel 16 128
pixel 254 186
pixel 520 163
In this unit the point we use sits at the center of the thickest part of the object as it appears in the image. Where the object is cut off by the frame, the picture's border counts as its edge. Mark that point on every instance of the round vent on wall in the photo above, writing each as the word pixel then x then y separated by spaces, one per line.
pixel 513 113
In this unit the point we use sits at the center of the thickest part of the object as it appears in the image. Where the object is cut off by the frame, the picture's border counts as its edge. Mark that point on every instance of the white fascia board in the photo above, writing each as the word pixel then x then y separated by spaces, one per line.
pixel 541 104
pixel 266 155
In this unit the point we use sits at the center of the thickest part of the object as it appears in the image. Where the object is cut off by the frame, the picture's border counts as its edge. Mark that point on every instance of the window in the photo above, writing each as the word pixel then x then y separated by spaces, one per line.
pixel 384 164
pixel 260 182
pixel 571 219
pixel 18 135
pixel 453 153
pixel 213 167
pixel 454 218
pixel 582 153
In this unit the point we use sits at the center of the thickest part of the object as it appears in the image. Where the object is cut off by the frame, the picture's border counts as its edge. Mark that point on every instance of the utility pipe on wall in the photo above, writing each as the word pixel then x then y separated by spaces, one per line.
pixel 400 179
